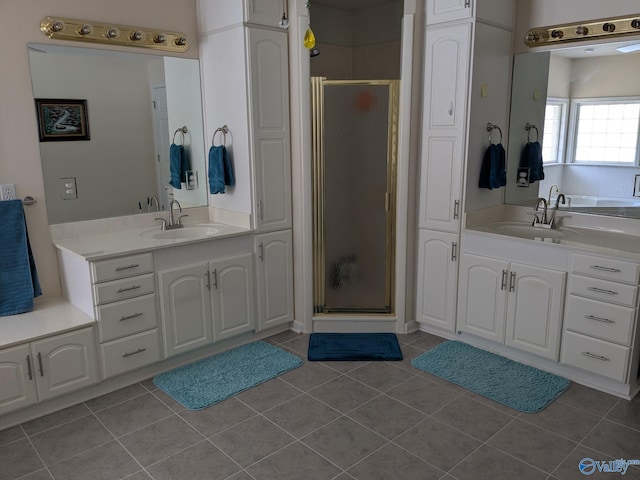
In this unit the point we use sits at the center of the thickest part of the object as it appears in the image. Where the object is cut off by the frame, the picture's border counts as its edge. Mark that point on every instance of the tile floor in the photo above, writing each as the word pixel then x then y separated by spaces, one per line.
pixel 344 420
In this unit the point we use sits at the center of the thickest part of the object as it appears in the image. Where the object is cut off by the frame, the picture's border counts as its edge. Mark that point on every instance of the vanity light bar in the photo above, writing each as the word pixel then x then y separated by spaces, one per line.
pixel 86 31
pixel 573 32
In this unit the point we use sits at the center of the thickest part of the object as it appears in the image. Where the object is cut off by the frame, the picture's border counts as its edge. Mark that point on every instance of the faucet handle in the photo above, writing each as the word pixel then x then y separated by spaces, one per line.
pixel 164 223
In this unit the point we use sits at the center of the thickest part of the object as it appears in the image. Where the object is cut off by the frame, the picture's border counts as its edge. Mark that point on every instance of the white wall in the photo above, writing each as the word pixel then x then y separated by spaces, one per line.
pixel 19 146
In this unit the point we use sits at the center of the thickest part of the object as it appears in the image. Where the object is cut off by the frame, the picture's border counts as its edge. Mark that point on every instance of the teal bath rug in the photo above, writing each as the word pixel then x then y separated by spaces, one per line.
pixel 353 347
pixel 513 384
pixel 206 382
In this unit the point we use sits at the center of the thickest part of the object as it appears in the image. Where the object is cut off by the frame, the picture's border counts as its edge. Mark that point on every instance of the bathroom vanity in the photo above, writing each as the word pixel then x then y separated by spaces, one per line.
pixel 138 301
pixel 563 299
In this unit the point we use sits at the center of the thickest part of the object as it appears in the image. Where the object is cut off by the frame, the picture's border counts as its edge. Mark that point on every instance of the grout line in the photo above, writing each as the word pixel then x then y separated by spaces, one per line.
pixel 46 467
pixel 88 413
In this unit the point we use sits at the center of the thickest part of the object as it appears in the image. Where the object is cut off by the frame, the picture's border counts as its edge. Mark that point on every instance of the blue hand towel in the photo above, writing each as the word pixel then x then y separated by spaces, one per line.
pixel 220 169
pixel 178 165
pixel 18 276
pixel 493 173
pixel 532 159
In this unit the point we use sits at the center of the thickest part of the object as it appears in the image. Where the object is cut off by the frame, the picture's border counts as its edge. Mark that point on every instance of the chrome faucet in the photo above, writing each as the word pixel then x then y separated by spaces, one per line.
pixel 559 198
pixel 543 220
pixel 551 191
pixel 173 224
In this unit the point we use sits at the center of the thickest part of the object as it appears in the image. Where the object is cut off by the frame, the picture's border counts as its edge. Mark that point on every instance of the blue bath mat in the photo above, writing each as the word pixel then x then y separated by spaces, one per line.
pixel 353 346
pixel 513 384
pixel 203 383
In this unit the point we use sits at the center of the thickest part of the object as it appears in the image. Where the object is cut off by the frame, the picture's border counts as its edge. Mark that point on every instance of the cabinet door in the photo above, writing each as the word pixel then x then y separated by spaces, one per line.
pixel 534 309
pixel 185 308
pixel 444 10
pixel 17 385
pixel 437 279
pixel 269 93
pixel 274 274
pixel 263 12
pixel 64 363
pixel 482 296
pixel 447 57
pixel 232 296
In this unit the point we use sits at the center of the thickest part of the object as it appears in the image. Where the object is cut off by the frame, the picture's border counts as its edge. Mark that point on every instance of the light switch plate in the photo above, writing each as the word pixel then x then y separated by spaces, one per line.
pixel 68 188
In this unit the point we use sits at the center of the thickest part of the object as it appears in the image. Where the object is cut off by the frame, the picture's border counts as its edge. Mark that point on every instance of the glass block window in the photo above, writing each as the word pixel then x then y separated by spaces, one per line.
pixel 606 131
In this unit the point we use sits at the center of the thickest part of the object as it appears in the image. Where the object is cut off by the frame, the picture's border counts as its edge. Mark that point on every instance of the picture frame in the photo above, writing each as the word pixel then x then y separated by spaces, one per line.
pixel 62 119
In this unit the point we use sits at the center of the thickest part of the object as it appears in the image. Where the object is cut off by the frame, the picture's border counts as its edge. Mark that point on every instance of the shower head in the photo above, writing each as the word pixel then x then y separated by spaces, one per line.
pixel 314 52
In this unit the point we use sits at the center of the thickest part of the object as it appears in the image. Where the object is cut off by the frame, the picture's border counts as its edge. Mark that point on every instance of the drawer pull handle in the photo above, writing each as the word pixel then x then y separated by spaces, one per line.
pixel 127 267
pixel 602 290
pixel 605 269
pixel 598 319
pixel 593 355
pixel 128 354
pixel 29 372
pixel 129 317
pixel 128 289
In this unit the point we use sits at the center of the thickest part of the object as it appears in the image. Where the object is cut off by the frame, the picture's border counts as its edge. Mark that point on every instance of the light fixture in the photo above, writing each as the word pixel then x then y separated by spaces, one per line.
pixel 593 29
pixel 635 47
pixel 85 31
pixel 284 21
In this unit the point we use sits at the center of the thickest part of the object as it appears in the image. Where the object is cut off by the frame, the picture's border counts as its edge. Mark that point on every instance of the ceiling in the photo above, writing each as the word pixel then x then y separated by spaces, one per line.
pixel 349 4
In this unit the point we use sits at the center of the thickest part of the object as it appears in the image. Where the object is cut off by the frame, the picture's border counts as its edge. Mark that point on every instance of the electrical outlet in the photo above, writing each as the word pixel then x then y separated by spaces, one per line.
pixel 8 191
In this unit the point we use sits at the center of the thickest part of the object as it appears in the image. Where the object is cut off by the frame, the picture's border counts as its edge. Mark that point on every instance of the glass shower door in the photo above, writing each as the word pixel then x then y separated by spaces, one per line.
pixel 355 212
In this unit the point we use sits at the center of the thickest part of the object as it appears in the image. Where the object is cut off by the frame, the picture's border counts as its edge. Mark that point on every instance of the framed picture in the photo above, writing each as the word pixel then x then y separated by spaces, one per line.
pixel 62 120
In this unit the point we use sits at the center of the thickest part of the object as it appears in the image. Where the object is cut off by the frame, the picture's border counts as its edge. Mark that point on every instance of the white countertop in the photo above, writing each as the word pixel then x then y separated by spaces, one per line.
pixel 105 245
pixel 50 316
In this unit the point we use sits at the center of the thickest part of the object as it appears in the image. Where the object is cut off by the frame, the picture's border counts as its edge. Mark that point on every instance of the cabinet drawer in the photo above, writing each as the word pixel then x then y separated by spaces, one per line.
pixel 607 268
pixel 123 267
pixel 603 290
pixel 597 356
pixel 122 289
pixel 599 319
pixel 127 317
pixel 129 353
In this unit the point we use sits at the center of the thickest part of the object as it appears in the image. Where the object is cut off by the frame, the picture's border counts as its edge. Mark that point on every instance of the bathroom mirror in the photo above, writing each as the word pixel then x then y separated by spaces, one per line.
pixel 136 104
pixel 554 82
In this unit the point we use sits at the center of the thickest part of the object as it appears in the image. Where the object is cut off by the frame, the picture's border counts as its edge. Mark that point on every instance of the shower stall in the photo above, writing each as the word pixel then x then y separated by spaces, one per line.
pixel 354 136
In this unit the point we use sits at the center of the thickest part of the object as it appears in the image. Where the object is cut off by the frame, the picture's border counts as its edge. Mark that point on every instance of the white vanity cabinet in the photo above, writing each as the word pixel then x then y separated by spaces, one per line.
pixel 252 100
pixel 438 11
pixel 206 293
pixel 437 279
pixel 512 303
pixel 46 368
pixel 125 308
pixel 601 315
pixel 274 277
pixel 447 57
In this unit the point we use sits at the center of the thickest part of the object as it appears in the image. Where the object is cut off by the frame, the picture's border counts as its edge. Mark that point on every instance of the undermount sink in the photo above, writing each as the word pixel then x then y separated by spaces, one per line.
pixel 186 232
pixel 526 230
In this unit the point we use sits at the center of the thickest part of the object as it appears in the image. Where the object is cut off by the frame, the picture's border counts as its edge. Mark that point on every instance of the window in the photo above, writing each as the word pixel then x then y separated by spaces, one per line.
pixel 606 130
pixel 555 121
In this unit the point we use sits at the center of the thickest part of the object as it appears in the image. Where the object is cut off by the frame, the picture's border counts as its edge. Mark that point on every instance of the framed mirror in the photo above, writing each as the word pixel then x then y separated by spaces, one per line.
pixel 137 106
pixel 585 104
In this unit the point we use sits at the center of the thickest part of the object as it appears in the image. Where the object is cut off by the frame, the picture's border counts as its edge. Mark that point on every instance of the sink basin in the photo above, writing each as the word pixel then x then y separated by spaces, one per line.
pixel 187 232
pixel 526 230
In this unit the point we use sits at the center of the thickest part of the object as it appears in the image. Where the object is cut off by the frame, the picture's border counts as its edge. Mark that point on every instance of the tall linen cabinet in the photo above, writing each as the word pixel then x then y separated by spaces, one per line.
pixel 245 72
pixel 467 70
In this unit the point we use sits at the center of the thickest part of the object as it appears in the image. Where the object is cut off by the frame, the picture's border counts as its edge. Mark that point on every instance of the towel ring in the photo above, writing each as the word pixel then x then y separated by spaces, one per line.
pixel 490 128
pixel 223 131
pixel 182 130
pixel 528 128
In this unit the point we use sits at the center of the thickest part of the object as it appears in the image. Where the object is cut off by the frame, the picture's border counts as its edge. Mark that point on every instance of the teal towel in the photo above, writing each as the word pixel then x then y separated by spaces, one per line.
pixel 18 275
pixel 220 169
pixel 493 173
pixel 178 165
pixel 532 159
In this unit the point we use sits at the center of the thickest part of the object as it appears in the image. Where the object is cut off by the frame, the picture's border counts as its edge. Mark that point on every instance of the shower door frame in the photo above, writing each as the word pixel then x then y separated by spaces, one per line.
pixel 319 213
